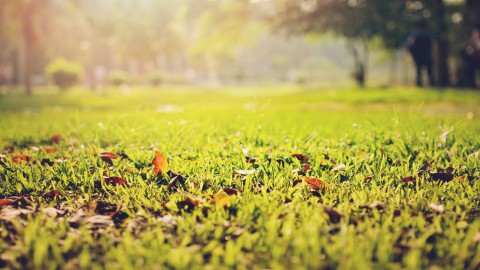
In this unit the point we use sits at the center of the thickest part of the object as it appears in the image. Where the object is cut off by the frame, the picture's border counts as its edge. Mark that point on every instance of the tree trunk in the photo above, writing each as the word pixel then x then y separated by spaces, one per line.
pixel 442 43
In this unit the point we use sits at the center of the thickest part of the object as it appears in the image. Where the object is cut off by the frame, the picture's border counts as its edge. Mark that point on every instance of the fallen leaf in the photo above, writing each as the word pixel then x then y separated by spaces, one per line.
pixel 108 156
pixel 368 178
pixel 56 138
pixel 442 176
pixel 339 168
pixel 437 208
pixel 327 157
pixel 47 161
pixel 333 214
pixel 409 179
pixel 160 165
pixel 51 194
pixel 5 202
pixel 425 167
pixel 18 159
pixel 301 157
pixel 50 150
pixel 192 198
pixel 231 191
pixel 176 179
pixel 296 182
pixel 114 180
pixel 105 208
pixel 316 184
pixel 243 172
pixel 306 167
pixel 251 160
pixel 100 220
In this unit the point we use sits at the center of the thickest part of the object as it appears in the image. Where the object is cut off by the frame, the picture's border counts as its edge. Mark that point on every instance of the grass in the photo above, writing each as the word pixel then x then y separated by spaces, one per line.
pixel 364 217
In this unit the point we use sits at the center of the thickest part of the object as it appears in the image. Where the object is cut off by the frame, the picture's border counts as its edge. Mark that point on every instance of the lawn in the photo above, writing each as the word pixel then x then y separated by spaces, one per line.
pixel 246 178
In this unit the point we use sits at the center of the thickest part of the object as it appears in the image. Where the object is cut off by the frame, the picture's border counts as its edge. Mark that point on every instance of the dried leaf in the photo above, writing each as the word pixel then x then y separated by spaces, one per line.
pixel 251 160
pixel 20 158
pixel 316 184
pixel 5 202
pixel 176 179
pixel 306 167
pixel 47 161
pixel 296 182
pixel 192 198
pixel 376 205
pixel 114 180
pixel 442 176
pixel 49 150
pixel 108 155
pixel 231 191
pixel 437 208
pixel 339 168
pixel 160 165
pixel 243 172
pixel 301 157
pixel 56 138
pixel 425 167
pixel 51 194
pixel 327 157
pixel 333 214
pixel 409 179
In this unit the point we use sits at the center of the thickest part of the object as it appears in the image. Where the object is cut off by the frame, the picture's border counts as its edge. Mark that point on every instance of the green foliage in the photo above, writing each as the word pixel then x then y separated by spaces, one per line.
pixel 64 74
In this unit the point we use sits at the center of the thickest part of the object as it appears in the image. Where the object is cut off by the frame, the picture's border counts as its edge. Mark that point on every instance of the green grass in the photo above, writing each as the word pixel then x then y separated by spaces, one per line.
pixel 381 136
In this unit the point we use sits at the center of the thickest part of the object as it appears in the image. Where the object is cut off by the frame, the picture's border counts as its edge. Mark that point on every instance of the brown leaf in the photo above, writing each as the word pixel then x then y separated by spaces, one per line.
pixel 108 155
pixel 192 198
pixel 20 158
pixel 51 194
pixel 301 157
pixel 56 138
pixel 114 180
pixel 442 176
pixel 231 191
pixel 327 157
pixel 296 182
pixel 223 199
pixel 105 208
pixel 377 205
pixel 306 167
pixel 160 165
pixel 5 202
pixel 251 160
pixel 333 214
pixel 47 161
pixel 316 184
pixel 425 167
pixel 368 178
pixel 49 150
pixel 173 182
pixel 409 179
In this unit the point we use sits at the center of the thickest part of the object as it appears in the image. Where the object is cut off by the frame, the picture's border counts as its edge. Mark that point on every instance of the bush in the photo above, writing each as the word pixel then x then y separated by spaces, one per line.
pixel 118 77
pixel 64 74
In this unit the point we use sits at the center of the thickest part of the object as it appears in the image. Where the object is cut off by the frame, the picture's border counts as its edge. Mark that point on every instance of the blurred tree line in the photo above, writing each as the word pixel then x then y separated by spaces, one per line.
pixel 203 38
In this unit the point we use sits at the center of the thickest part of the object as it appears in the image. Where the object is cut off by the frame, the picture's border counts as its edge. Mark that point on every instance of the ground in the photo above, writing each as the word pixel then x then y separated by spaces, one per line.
pixel 264 178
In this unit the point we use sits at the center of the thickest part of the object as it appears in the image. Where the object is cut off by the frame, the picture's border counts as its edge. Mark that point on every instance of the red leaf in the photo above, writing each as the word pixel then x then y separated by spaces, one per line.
pixel 231 191
pixel 56 138
pixel 303 158
pixel 5 202
pixel 108 155
pixel 316 184
pixel 160 165
pixel 442 176
pixel 114 180
pixel 306 167
pixel 296 182
pixel 51 194
pixel 50 150
pixel 18 159
pixel 409 179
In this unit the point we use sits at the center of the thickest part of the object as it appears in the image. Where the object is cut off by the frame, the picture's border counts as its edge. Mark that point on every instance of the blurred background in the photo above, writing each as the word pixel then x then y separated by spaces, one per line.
pixel 331 43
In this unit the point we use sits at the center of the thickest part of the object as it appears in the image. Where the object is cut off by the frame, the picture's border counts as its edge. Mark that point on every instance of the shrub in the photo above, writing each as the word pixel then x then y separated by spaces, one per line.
pixel 64 74
pixel 118 77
